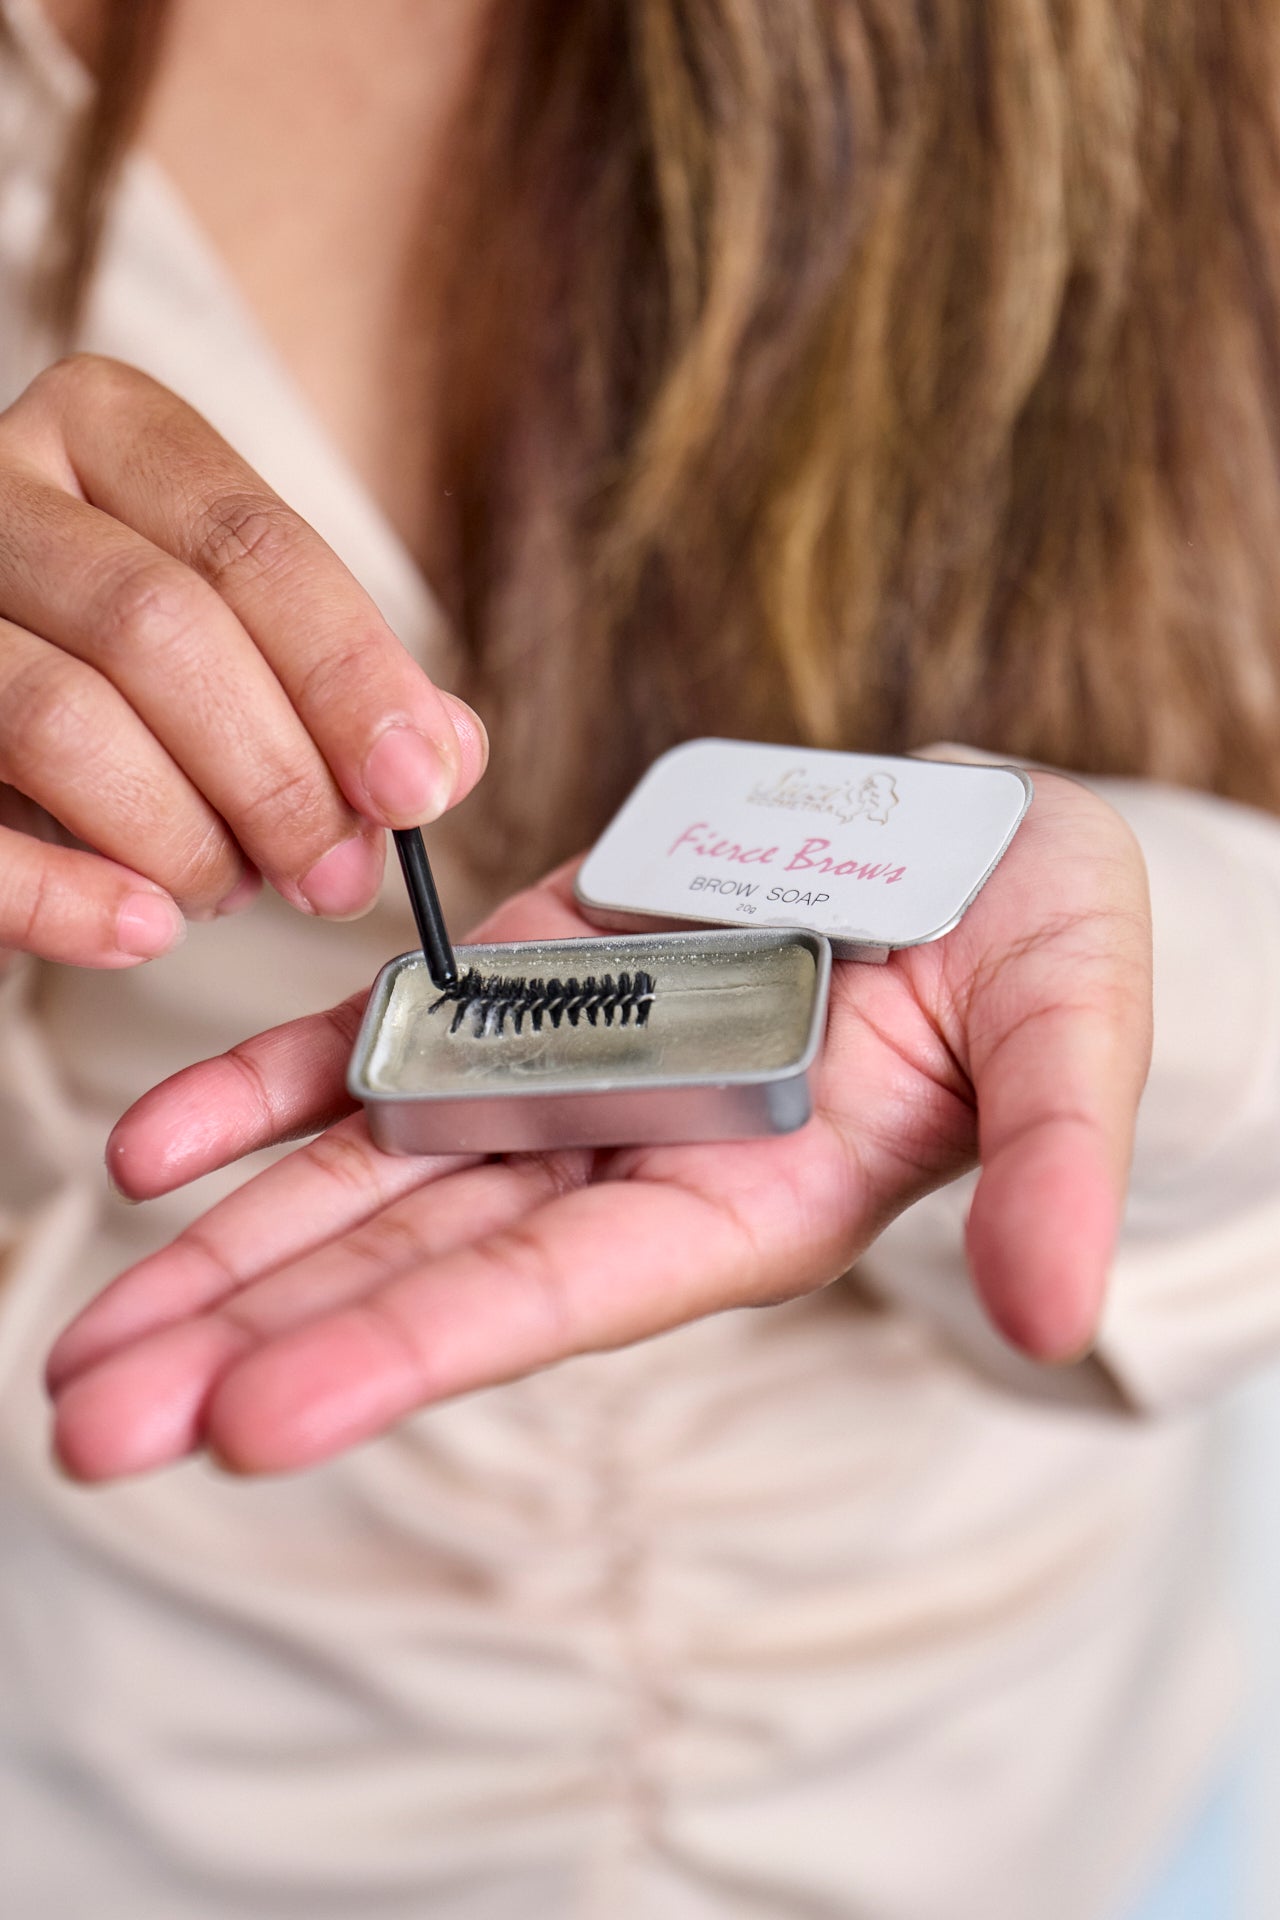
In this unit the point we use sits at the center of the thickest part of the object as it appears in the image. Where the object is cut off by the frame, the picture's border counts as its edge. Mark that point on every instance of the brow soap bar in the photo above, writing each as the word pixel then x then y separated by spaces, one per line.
pixel 736 1021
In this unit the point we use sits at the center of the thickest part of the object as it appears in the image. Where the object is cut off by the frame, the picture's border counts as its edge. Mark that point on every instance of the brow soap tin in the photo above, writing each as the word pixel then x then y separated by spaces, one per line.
pixel 875 851
pixel 737 1021
pixel 730 875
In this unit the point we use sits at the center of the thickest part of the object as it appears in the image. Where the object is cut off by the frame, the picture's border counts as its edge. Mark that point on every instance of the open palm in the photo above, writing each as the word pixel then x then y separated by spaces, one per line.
pixel 343 1288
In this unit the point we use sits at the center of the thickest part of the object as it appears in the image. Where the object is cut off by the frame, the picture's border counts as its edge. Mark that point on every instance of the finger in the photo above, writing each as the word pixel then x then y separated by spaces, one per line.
pixel 1055 1105
pixel 277 1086
pixel 597 1267
pixel 80 909
pixel 324 1189
pixel 184 663
pixel 70 742
pixel 133 1397
pixel 1058 1043
pixel 389 739
pixel 601 1267
pixel 282 1083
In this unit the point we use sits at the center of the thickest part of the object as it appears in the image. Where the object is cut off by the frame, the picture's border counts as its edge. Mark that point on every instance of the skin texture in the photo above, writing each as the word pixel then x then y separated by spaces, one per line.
pixel 343 1288
pixel 306 138
pixel 191 683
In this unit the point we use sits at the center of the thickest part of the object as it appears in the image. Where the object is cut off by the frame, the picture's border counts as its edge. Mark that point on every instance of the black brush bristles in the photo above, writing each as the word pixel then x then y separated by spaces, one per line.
pixel 494 999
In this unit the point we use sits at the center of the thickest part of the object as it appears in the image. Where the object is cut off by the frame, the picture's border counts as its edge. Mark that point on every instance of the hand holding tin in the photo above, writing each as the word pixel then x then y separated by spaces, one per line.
pixel 735 1047
pixel 191 683
pixel 344 1288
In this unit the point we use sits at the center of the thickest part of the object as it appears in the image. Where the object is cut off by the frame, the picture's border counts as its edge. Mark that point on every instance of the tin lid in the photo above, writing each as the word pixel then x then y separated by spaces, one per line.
pixel 874 851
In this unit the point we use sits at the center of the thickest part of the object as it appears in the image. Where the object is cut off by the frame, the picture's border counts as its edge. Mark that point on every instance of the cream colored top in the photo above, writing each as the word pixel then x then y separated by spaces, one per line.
pixel 838 1609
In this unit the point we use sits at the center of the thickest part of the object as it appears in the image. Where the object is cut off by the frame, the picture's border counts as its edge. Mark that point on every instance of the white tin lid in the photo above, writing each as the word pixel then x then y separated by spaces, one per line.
pixel 873 851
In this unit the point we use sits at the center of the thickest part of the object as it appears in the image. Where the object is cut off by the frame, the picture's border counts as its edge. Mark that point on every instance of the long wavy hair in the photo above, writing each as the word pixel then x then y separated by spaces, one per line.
pixel 856 372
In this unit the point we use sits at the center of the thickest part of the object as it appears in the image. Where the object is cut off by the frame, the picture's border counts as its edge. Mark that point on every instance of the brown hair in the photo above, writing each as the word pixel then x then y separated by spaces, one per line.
pixel 855 373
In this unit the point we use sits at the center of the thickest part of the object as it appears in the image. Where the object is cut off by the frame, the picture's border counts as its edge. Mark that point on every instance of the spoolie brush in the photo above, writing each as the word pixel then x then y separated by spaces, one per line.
pixel 491 1000
pixel 488 1002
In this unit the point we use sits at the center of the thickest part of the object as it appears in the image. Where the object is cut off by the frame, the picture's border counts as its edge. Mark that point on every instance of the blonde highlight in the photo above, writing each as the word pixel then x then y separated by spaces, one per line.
pixel 859 373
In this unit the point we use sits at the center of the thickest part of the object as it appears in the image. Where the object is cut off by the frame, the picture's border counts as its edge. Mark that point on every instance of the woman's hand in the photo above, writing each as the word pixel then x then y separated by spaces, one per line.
pixel 343 1288
pixel 191 683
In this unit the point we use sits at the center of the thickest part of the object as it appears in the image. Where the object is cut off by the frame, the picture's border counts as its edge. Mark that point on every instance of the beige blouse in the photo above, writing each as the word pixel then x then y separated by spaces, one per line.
pixel 838 1609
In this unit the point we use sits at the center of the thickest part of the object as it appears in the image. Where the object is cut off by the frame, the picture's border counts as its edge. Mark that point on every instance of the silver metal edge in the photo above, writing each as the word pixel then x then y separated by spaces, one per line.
pixel 374 1007
pixel 708 1111
pixel 1028 795
pixel 359 1087
pixel 614 920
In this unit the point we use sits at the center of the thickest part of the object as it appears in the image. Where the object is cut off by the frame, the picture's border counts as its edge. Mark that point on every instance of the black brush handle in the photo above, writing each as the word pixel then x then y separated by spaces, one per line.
pixel 425 902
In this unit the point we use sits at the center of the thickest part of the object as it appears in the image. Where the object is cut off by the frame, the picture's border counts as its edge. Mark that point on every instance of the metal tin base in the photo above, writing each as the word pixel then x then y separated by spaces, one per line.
pixel 736 1022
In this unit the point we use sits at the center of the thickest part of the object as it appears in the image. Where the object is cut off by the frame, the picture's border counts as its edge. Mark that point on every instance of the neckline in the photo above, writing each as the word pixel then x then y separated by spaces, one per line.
pixel 414 606
pixel 47 54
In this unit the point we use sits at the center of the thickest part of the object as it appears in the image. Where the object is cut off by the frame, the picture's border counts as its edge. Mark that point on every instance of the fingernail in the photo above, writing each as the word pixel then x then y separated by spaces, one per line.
pixel 1075 1356
pixel 468 726
pixel 149 925
pixel 344 879
pixel 118 1192
pixel 407 777
pixel 243 894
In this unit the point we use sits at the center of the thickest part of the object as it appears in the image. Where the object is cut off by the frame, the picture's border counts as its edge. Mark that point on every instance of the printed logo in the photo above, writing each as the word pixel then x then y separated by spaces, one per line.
pixel 871 799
